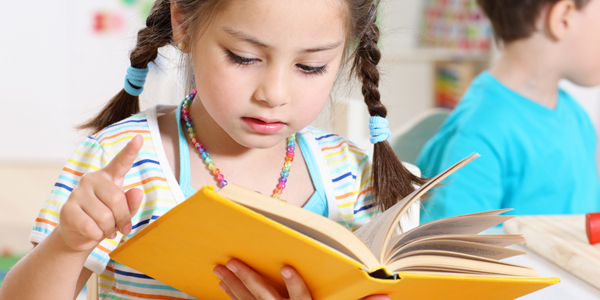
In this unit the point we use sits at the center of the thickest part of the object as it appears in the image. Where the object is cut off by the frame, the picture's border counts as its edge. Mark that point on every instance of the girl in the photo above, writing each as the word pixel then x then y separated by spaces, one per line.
pixel 263 70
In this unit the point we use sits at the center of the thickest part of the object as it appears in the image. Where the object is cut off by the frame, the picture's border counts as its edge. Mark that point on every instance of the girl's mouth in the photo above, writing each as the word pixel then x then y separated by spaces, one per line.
pixel 265 126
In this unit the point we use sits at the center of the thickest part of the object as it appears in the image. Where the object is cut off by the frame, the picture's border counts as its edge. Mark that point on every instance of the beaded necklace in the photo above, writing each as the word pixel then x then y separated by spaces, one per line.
pixel 185 115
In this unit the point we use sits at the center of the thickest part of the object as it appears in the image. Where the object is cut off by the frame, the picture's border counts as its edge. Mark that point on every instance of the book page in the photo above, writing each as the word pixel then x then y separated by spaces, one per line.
pixel 305 222
pixel 377 233
pixel 433 260
pixel 466 224
pixel 499 240
pixel 475 249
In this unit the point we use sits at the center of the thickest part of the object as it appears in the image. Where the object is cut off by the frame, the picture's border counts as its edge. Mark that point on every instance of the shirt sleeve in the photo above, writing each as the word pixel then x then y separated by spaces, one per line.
pixel 364 205
pixel 475 187
pixel 88 157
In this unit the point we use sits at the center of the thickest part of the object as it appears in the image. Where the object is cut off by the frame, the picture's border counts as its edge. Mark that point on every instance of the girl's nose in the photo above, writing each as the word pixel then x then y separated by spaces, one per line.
pixel 273 89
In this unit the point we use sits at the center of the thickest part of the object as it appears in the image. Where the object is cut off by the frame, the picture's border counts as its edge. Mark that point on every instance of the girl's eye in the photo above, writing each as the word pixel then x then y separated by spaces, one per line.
pixel 236 59
pixel 312 70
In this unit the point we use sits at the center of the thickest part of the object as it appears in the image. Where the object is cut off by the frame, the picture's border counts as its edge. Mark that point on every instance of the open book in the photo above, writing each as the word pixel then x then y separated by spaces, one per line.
pixel 443 259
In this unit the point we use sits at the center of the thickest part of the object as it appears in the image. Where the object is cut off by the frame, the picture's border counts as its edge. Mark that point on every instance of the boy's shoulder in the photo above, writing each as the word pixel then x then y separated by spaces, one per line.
pixel 489 105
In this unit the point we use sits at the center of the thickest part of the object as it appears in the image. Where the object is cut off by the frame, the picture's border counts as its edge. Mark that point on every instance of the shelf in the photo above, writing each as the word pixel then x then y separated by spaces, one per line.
pixel 433 54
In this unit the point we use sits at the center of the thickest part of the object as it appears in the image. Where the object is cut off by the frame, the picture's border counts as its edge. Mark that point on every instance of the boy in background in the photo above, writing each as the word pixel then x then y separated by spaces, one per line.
pixel 537 145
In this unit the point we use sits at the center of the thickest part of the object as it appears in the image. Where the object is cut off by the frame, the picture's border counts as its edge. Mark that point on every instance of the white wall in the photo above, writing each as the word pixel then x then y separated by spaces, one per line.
pixel 56 73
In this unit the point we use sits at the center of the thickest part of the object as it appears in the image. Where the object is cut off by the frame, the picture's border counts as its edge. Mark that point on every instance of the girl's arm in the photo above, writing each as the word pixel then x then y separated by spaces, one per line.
pixel 37 277
pixel 94 211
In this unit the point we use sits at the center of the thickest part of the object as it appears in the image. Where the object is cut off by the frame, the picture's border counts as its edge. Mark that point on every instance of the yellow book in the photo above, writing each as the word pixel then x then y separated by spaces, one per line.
pixel 443 259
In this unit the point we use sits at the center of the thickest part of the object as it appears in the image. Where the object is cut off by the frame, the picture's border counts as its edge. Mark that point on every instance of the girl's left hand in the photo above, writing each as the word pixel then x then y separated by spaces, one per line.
pixel 240 282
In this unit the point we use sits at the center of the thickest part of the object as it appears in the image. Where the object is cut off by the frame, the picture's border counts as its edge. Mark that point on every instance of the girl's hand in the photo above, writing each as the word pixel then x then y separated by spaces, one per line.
pixel 240 282
pixel 98 207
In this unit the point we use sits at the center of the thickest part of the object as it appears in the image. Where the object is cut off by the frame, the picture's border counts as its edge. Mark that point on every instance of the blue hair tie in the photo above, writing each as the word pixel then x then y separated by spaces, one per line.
pixel 135 77
pixel 379 130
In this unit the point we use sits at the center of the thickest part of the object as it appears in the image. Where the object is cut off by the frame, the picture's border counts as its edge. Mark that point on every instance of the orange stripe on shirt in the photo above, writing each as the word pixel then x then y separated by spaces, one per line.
pixel 147 296
pixel 344 142
pixel 46 221
pixel 363 192
pixel 103 249
pixel 72 172
pixel 344 196
pixel 121 133
pixel 144 182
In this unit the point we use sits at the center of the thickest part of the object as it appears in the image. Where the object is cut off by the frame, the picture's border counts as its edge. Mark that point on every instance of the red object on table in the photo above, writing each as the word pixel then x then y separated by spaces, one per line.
pixel 592 227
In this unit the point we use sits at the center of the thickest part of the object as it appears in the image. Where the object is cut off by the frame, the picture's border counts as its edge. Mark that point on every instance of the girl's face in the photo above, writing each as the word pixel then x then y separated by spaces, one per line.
pixel 264 69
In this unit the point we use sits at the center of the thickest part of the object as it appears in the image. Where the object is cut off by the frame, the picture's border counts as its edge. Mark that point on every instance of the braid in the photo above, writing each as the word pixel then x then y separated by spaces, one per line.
pixel 157 33
pixel 391 180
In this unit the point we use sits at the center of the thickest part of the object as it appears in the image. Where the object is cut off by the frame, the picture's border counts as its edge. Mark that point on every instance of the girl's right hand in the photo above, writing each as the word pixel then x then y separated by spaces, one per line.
pixel 97 208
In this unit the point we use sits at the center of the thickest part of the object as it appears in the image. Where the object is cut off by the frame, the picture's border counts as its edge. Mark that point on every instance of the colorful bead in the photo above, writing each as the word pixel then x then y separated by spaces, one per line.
pixel 211 165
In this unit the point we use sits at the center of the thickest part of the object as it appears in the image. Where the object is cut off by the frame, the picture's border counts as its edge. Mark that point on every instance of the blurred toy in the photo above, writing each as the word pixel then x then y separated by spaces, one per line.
pixel 592 227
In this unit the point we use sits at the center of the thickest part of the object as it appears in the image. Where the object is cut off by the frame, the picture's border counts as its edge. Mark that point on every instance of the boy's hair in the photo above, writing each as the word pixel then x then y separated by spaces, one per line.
pixel 515 19
pixel 391 180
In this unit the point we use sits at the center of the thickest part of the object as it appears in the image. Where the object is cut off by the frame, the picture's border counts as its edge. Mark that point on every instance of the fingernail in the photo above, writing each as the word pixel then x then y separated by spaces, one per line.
pixel 232 267
pixel 127 229
pixel 218 273
pixel 222 286
pixel 113 236
pixel 286 273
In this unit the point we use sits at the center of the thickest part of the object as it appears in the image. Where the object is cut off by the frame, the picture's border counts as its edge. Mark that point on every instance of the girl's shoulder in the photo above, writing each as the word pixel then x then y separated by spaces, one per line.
pixel 334 148
pixel 114 137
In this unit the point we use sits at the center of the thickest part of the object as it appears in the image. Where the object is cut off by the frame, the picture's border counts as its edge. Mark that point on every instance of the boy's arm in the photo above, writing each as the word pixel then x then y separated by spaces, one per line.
pixel 474 188
pixel 59 271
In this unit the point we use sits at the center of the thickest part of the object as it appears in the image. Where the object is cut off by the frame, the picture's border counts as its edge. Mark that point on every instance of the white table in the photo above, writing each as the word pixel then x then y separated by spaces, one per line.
pixel 570 287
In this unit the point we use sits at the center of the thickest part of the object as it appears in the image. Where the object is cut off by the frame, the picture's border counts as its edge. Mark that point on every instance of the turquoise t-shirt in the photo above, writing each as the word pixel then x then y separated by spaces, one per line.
pixel 533 159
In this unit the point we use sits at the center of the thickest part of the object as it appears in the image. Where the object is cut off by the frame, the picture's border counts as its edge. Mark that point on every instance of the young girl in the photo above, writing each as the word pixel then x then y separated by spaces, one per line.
pixel 260 72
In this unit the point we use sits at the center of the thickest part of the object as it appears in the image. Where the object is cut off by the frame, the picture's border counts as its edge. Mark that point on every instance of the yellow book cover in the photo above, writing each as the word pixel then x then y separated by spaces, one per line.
pixel 182 247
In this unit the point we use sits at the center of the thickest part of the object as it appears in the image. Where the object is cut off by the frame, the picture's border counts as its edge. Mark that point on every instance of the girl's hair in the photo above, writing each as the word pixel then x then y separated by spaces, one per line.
pixel 391 180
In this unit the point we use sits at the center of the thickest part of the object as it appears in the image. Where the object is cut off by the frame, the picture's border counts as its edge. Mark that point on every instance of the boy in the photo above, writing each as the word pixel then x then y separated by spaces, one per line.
pixel 537 145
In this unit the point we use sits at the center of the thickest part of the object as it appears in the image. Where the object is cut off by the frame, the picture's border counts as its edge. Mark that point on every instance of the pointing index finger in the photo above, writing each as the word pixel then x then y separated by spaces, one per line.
pixel 123 162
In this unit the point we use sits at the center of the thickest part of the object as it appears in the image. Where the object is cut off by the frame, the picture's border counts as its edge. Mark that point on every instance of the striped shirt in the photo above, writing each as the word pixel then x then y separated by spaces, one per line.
pixel 344 169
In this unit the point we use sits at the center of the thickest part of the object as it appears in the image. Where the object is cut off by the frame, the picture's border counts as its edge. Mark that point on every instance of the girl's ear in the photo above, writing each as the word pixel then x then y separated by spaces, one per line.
pixel 179 31
pixel 559 18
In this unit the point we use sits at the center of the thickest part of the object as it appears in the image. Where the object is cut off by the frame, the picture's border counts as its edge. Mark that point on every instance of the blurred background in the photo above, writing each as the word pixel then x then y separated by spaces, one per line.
pixel 62 60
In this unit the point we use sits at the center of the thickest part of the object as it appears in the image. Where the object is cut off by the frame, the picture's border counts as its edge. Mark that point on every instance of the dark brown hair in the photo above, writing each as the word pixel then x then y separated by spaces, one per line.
pixel 515 19
pixel 391 180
